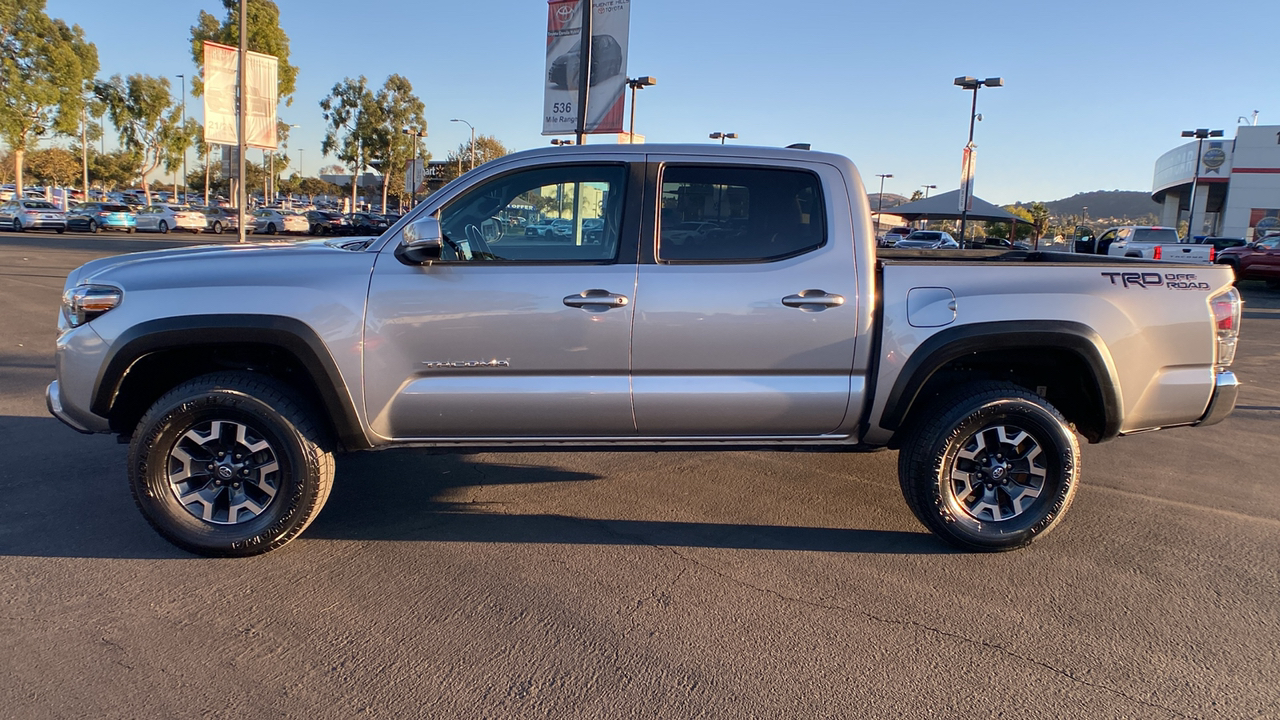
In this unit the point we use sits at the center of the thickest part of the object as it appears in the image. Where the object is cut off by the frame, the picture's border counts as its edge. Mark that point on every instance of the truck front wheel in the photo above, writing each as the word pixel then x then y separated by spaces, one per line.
pixel 229 464
pixel 990 467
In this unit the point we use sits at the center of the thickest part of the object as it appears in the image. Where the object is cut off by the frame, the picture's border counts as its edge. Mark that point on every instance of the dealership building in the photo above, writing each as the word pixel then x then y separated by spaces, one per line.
pixel 1237 186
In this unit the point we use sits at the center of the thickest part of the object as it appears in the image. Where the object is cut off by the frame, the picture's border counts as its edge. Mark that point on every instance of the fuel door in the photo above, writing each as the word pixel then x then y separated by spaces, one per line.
pixel 931 307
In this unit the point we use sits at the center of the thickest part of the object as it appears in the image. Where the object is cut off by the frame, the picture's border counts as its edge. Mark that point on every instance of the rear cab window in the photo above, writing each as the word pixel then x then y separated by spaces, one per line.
pixel 711 213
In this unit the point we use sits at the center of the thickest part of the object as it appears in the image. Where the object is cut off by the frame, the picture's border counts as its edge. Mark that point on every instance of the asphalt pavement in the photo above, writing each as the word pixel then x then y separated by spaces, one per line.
pixel 634 585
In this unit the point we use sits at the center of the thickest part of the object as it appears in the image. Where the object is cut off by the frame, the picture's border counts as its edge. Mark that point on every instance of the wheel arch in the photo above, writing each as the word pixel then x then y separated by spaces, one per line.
pixel 1068 359
pixel 153 357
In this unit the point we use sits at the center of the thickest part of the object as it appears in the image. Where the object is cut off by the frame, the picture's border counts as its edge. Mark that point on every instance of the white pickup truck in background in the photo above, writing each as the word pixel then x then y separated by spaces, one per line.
pixel 1152 243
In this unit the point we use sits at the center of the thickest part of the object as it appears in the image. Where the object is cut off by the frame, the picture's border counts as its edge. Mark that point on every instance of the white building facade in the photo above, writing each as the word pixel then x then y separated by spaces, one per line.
pixel 1237 185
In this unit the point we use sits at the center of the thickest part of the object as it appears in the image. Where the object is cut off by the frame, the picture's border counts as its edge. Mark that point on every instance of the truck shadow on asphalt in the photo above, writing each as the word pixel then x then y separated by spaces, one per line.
pixel 69 499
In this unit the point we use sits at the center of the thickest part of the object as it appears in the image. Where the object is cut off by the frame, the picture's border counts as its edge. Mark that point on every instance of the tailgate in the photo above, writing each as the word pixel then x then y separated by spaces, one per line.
pixel 1185 252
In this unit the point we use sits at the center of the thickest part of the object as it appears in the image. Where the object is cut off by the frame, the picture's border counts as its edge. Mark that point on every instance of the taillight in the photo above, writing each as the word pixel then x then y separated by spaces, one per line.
pixel 1157 253
pixel 1226 318
pixel 1212 253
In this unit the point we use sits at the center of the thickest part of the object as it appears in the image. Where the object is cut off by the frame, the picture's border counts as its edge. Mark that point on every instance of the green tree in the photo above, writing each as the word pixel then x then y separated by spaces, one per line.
pixel 353 117
pixel 264 35
pixel 114 170
pixel 1039 220
pixel 397 108
pixel 315 186
pixel 488 148
pixel 44 66
pixel 916 195
pixel 148 121
pixel 54 166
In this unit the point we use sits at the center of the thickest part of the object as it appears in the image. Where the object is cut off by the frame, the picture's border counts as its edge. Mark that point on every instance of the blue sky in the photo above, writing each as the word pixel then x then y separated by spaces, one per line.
pixel 1094 91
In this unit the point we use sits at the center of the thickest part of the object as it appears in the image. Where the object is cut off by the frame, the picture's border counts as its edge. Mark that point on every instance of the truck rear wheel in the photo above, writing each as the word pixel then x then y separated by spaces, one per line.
pixel 990 467
pixel 229 464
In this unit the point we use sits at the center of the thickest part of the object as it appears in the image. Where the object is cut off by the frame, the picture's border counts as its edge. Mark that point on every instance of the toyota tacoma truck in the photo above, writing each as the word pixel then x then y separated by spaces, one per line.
pixel 235 373
pixel 1152 243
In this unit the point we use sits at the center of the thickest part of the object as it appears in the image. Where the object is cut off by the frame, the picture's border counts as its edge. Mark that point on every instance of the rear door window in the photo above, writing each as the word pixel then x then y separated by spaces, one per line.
pixel 738 214
pixel 1155 235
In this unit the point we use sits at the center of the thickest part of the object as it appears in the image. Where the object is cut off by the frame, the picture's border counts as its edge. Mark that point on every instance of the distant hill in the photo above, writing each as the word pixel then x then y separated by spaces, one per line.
pixel 890 200
pixel 1119 204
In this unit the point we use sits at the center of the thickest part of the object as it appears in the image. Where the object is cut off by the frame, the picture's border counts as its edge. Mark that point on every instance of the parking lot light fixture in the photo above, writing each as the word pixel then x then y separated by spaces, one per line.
pixel 723 136
pixel 416 134
pixel 473 141
pixel 927 188
pixel 880 197
pixel 971 83
pixel 1199 134
pixel 558 141
pixel 637 84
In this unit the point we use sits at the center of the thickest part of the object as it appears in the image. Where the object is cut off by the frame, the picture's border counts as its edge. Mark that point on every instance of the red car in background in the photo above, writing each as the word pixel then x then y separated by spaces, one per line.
pixel 1255 261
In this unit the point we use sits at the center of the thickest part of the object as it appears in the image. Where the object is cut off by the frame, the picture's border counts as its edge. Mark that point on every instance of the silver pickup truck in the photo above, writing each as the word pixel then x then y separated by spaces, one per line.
pixel 1152 243
pixel 235 372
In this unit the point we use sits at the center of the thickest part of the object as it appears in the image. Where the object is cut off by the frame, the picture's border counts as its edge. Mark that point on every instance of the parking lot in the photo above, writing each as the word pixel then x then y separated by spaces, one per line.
pixel 664 585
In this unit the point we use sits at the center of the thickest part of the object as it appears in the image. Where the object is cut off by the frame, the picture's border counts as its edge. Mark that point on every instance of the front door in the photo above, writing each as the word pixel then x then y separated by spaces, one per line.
pixel 746 325
pixel 512 333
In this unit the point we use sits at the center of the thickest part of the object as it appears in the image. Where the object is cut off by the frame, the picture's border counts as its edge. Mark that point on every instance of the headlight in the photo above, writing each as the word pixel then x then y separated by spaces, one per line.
pixel 85 302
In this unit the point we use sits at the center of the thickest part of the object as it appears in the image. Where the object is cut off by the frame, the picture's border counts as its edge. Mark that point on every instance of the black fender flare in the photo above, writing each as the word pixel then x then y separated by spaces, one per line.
pixel 954 343
pixel 288 334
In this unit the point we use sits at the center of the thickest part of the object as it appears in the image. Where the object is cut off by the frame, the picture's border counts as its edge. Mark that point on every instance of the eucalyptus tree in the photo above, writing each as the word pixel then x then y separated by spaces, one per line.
pixel 264 36
pixel 44 65
pixel 149 122
pixel 352 118
pixel 397 109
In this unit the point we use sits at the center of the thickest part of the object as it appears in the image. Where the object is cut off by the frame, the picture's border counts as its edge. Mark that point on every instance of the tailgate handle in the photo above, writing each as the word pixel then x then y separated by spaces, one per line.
pixel 813 300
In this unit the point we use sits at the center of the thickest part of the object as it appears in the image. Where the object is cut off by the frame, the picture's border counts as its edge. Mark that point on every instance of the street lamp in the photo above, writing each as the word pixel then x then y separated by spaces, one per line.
pixel 416 135
pixel 184 142
pixel 636 84
pixel 558 141
pixel 272 173
pixel 723 136
pixel 301 172
pixel 880 198
pixel 927 188
pixel 473 141
pixel 970 83
pixel 1199 134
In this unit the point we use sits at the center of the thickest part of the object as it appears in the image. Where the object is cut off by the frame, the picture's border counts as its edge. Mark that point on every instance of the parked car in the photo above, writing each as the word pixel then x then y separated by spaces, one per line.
pixel 987 243
pixel 1255 261
pixel 272 220
pixel 606 61
pixel 928 239
pixel 221 219
pixel 559 227
pixel 326 222
pixel 95 216
pixel 895 235
pixel 236 373
pixel 363 223
pixel 163 218
pixel 1220 243
pixel 20 215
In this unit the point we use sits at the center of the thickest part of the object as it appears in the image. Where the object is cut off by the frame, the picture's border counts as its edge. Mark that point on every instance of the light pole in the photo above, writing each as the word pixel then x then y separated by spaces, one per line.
pixel 880 198
pixel 1199 134
pixel 637 84
pixel 274 179
pixel 416 134
pixel 473 141
pixel 927 188
pixel 723 136
pixel 184 139
pixel 970 83
pixel 301 173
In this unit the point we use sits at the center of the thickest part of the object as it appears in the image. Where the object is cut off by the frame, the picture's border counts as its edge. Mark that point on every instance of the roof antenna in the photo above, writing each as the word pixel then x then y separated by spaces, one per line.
pixel 798 146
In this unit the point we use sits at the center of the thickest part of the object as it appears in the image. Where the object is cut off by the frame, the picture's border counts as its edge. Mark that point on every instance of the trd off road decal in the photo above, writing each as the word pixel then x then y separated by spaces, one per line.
pixel 1173 281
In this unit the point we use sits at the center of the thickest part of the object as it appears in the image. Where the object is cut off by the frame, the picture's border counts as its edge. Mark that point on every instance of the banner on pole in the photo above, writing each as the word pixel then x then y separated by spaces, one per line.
pixel 221 64
pixel 967 171
pixel 610 28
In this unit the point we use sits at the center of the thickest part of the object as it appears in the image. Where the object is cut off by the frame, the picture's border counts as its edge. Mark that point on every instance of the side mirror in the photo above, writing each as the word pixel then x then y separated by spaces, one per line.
pixel 422 242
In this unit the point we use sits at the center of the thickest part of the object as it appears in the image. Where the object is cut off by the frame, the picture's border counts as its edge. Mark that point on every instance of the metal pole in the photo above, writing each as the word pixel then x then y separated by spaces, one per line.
pixel 584 71
pixel 242 192
pixel 973 113
pixel 84 148
pixel 473 147
pixel 1195 178
pixel 631 134
pixel 185 189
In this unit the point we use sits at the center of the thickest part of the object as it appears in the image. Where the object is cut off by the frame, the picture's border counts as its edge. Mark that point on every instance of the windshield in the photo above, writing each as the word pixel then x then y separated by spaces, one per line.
pixel 925 235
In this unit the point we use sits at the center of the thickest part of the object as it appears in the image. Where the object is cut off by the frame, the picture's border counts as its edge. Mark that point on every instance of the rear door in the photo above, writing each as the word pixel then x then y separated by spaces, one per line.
pixel 747 329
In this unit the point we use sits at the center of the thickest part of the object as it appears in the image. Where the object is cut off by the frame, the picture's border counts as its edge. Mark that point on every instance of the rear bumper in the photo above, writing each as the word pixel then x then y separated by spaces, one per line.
pixel 1225 390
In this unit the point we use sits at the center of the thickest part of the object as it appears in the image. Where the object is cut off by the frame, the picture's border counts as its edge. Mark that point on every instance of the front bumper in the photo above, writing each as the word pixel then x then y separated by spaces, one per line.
pixel 1226 389
pixel 53 401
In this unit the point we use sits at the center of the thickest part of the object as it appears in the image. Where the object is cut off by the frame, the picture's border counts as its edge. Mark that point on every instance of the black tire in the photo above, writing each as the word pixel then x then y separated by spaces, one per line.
pixel 271 228
pixel 93 227
pixel 164 227
pixel 311 230
pixel 1036 453
pixel 61 230
pixel 130 231
pixel 217 228
pixel 17 225
pixel 263 431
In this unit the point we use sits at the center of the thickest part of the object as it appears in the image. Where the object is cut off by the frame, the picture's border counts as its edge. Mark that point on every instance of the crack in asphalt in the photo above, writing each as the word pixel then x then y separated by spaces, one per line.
pixel 603 525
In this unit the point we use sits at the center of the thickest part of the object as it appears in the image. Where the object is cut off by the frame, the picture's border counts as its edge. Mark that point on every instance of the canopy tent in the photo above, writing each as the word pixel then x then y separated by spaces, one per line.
pixel 946 206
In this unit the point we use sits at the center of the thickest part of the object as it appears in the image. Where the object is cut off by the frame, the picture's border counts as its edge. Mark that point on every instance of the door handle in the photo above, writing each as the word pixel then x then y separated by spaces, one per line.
pixel 813 300
pixel 596 300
